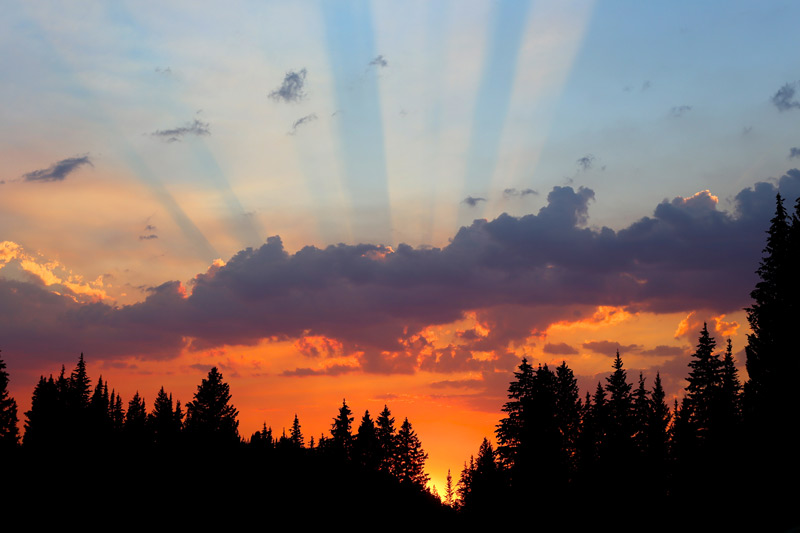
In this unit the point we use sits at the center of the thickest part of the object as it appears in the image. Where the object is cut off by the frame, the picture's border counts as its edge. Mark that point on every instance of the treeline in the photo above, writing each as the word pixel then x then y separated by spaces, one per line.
pixel 69 418
pixel 724 457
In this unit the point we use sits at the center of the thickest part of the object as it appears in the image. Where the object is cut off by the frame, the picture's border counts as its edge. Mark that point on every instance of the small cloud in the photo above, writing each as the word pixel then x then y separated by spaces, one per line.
pixel 586 161
pixel 149 227
pixel 784 99
pixel 508 193
pixel 166 71
pixel 747 130
pixel 148 237
pixel 291 90
pixel 646 85
pixel 526 192
pixel 300 121
pixel 379 61
pixel 679 111
pixel 58 171
pixel 561 348
pixel 794 152
pixel 196 128
pixel 472 202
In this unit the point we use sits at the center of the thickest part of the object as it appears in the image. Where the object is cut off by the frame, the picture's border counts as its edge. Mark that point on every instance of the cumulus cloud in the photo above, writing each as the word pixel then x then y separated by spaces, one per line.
pixel 196 128
pixel 58 171
pixel 379 61
pixel 471 201
pixel 291 90
pixel 785 99
pixel 515 275
pixel 301 121
pixel 679 111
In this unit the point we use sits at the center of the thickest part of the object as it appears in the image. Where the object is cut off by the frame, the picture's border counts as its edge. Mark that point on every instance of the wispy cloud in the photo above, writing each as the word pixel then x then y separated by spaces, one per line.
pixel 379 61
pixel 785 99
pixel 166 71
pixel 301 121
pixel 291 90
pixel 195 127
pixel 58 171
pixel 679 111
pixel 516 192
pixel 471 201
pixel 586 161
pixel 794 152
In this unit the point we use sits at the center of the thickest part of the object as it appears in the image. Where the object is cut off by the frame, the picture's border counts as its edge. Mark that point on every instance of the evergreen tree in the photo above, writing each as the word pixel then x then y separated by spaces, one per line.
pixel 162 422
pixel 410 462
pixel 449 492
pixel 43 427
pixel 210 417
pixel 9 430
pixel 341 433
pixel 772 357
pixel 568 413
pixel 80 387
pixel 116 412
pixel 387 445
pixel 730 393
pixel 641 415
pixel 366 445
pixel 296 436
pixel 658 423
pixel 510 430
pixel 135 428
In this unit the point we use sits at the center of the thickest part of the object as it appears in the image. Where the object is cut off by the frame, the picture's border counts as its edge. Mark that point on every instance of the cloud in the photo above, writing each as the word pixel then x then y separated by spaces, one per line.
pixel 784 99
pixel 196 128
pixel 148 237
pixel 646 85
pixel 291 90
pixel 561 348
pixel 514 192
pixel 679 111
pixel 609 348
pixel 300 121
pixel 333 370
pixel 379 61
pixel 514 275
pixel 166 71
pixel 586 161
pixel 58 171
pixel 471 201
pixel 794 152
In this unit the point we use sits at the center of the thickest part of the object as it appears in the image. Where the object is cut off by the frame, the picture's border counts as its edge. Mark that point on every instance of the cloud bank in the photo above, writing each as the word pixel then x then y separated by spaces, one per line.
pixel 374 302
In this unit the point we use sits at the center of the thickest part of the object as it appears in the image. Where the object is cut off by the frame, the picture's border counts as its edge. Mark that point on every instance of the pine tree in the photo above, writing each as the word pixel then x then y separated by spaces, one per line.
pixel 135 428
pixel 641 415
pixel 448 490
pixel 730 393
pixel 620 409
pixel 210 417
pixel 296 436
pixel 43 427
pixel 510 429
pixel 704 386
pixel 568 413
pixel 341 433
pixel 387 445
pixel 162 422
pixel 410 463
pixel 366 445
pixel 9 430
pixel 773 361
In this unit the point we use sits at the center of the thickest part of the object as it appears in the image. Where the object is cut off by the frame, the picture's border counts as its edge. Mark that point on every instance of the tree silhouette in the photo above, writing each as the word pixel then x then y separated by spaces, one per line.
pixel 210 417
pixel 9 431
pixel 341 432
pixel 366 444
pixel 45 417
pixel 410 462
pixel 162 422
pixel 387 445
pixel 296 436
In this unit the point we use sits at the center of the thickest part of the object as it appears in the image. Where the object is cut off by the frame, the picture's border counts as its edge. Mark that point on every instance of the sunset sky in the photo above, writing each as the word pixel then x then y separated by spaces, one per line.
pixel 388 202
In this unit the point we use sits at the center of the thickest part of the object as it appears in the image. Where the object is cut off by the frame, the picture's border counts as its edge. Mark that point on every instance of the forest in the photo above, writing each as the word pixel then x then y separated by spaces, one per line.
pixel 723 457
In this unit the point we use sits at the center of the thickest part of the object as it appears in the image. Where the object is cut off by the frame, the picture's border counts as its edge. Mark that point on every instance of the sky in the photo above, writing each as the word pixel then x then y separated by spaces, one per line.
pixel 386 202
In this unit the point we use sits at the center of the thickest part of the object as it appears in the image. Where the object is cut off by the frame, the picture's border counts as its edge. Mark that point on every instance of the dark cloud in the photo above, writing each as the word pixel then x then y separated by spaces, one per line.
pixel 665 351
pixel 586 161
pixel 515 192
pixel 150 227
pixel 333 370
pixel 165 71
pixel 561 348
pixel 291 90
pixel 471 201
pixel 379 61
pixel 148 237
pixel 196 128
pixel 785 99
pixel 58 171
pixel 794 152
pixel 609 348
pixel 679 111
pixel 517 275
pixel 301 121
